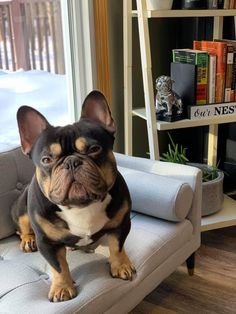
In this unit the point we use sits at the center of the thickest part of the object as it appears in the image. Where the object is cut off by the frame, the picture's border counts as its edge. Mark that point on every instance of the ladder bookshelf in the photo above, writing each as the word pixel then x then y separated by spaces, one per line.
pixel 227 216
pixel 148 111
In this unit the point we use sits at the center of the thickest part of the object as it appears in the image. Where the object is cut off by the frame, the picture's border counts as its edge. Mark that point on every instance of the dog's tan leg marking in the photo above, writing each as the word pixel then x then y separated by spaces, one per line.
pixel 62 288
pixel 53 232
pixel 117 219
pixel 27 236
pixel 121 267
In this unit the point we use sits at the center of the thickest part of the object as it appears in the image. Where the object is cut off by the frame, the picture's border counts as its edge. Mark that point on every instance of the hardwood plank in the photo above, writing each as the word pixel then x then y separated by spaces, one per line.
pixel 211 290
pixel 146 307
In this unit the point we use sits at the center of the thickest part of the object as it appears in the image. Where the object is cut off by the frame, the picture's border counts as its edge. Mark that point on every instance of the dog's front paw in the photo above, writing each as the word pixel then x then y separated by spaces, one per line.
pixel 59 293
pixel 124 270
pixel 28 243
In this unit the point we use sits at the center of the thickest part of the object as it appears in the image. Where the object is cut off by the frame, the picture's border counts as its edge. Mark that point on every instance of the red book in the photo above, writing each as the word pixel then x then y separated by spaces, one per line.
pixel 220 50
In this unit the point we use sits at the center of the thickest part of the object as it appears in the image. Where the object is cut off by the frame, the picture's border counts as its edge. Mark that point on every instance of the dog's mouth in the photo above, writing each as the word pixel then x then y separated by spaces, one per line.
pixel 79 186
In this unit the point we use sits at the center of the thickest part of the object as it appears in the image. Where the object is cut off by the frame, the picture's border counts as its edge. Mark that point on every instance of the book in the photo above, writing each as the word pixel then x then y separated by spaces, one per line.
pixel 200 59
pixel 233 86
pixel 231 4
pixel 226 4
pixel 184 78
pixel 211 79
pixel 219 49
pixel 230 42
pixel 229 72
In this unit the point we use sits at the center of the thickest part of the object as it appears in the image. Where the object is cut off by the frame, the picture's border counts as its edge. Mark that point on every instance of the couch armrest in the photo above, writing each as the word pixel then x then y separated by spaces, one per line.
pixel 188 174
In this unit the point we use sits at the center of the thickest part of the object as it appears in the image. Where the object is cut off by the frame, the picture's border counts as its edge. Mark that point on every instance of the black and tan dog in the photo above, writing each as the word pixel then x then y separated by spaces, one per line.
pixel 77 194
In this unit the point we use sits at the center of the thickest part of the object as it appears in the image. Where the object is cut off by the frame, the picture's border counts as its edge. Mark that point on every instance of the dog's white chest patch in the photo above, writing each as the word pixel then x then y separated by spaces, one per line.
pixel 86 221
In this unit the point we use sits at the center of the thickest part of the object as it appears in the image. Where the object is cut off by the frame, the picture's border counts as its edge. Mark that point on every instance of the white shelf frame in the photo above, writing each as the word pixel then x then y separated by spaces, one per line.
pixel 227 216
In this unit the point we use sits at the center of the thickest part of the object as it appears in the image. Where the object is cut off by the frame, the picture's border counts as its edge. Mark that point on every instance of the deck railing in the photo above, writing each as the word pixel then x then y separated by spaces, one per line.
pixel 31 35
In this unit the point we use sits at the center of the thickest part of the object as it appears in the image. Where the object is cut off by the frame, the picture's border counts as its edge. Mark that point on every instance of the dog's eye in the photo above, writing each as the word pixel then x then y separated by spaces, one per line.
pixel 46 160
pixel 94 149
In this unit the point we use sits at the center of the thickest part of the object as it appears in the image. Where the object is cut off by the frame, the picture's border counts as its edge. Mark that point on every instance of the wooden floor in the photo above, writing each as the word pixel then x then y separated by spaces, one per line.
pixel 211 290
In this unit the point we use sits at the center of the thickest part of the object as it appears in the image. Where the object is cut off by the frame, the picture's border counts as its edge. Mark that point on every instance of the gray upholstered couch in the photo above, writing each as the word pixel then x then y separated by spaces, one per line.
pixel 165 232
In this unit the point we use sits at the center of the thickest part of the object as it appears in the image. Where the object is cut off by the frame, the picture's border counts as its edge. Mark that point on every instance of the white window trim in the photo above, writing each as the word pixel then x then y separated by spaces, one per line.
pixel 79 51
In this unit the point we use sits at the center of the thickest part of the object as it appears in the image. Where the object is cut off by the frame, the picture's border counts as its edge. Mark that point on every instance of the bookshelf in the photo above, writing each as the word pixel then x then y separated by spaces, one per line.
pixel 142 14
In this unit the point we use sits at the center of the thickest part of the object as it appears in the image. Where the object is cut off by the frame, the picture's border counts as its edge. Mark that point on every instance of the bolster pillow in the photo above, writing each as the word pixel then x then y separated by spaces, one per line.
pixel 158 196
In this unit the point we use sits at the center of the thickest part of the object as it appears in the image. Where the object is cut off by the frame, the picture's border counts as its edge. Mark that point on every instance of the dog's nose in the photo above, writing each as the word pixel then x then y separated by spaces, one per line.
pixel 72 162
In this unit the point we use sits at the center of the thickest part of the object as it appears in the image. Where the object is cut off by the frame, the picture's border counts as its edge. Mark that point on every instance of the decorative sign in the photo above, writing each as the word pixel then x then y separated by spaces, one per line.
pixel 210 111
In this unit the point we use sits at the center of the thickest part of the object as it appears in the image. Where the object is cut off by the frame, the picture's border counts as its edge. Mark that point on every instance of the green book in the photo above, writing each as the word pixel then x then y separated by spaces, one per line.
pixel 200 59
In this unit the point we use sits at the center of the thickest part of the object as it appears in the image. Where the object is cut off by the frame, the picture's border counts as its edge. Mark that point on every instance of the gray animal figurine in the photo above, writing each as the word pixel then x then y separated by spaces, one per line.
pixel 167 102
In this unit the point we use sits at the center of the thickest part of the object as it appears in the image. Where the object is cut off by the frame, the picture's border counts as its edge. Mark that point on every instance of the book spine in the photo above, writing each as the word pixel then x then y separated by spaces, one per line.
pixel 201 61
pixel 202 78
pixel 219 49
pixel 231 4
pixel 184 56
pixel 226 4
pixel 220 73
pixel 212 79
pixel 233 85
pixel 229 72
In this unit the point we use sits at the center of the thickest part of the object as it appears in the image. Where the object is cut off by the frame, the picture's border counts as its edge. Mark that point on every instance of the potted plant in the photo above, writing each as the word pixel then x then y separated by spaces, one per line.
pixel 212 178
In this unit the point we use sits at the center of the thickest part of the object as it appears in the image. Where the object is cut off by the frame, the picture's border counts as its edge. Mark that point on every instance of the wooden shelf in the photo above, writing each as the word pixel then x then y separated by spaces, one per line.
pixel 186 13
pixel 186 123
pixel 224 218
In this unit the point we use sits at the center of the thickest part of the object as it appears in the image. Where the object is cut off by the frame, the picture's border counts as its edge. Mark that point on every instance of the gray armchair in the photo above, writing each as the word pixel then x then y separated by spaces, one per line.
pixel 165 232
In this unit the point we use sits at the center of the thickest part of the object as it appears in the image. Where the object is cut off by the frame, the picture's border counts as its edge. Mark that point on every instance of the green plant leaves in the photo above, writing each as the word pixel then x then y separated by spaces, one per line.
pixel 175 153
pixel 209 173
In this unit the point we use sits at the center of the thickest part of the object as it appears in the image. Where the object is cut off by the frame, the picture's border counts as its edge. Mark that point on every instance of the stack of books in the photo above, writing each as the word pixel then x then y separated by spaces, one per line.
pixel 228 4
pixel 209 70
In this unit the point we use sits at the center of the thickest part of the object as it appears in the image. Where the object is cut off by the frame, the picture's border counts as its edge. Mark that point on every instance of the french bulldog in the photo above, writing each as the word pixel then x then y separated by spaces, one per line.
pixel 77 195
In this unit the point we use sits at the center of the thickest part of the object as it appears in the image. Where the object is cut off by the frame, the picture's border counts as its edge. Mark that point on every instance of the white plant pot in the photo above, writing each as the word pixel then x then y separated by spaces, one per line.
pixel 159 4
pixel 212 195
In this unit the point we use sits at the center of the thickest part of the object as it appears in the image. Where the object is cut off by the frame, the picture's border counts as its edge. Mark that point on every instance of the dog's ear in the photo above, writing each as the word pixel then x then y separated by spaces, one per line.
pixel 31 124
pixel 96 108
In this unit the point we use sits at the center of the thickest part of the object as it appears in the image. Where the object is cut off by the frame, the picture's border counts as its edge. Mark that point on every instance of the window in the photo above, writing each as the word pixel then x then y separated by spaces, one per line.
pixel 45 61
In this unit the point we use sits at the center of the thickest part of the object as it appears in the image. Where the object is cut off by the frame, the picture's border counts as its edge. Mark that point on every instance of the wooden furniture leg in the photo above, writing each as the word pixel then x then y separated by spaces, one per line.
pixel 190 264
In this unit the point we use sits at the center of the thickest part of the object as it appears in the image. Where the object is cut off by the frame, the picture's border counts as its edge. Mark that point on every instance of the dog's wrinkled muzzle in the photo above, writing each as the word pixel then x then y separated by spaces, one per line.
pixel 77 182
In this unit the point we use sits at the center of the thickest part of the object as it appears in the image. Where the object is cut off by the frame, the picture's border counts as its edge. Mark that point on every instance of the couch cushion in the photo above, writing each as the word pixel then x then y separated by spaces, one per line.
pixel 158 196
pixel 14 275
pixel 16 171
pixel 150 243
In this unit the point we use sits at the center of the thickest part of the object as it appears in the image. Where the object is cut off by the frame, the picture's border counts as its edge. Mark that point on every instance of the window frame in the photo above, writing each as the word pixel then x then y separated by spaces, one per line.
pixel 79 52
